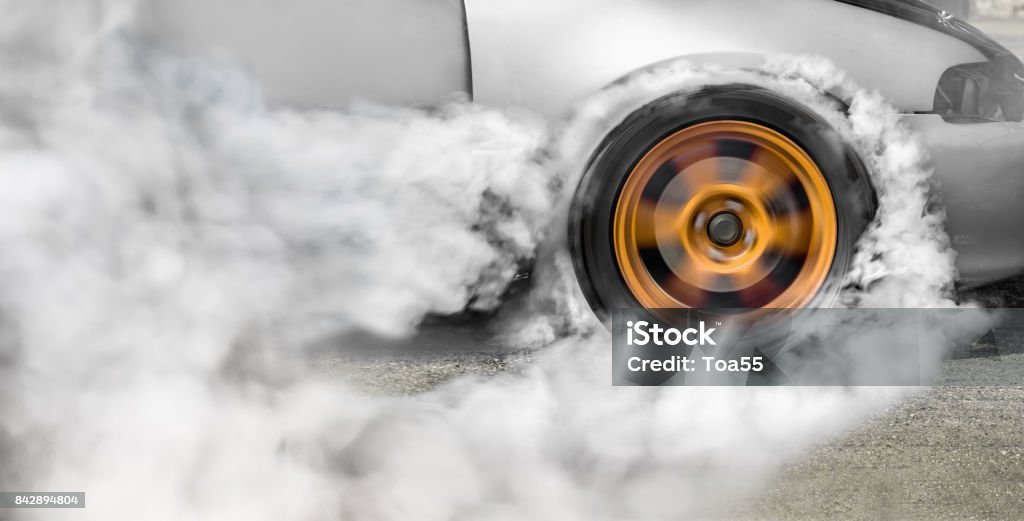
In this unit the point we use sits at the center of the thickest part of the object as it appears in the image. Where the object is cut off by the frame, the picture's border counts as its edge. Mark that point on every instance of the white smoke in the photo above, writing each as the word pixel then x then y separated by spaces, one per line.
pixel 170 245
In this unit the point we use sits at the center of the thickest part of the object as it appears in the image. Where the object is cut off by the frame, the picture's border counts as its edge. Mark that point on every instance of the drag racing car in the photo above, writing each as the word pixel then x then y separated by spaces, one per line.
pixel 958 89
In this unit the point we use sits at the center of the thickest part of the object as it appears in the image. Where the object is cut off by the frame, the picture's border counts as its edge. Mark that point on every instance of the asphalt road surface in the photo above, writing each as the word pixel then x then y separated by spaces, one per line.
pixel 954 452
pixel 949 453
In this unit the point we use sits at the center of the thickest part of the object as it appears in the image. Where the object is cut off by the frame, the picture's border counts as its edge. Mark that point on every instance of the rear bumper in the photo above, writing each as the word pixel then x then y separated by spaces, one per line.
pixel 980 174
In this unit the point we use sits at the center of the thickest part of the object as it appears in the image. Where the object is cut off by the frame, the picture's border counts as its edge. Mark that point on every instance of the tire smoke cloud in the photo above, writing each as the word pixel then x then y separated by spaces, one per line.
pixel 171 245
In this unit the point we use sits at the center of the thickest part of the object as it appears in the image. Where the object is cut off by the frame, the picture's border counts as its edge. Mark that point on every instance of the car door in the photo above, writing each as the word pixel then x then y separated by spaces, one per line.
pixel 325 53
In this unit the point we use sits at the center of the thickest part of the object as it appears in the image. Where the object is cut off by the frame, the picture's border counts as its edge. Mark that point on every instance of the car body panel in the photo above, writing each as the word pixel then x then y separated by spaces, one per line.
pixel 325 53
pixel 545 55
pixel 979 171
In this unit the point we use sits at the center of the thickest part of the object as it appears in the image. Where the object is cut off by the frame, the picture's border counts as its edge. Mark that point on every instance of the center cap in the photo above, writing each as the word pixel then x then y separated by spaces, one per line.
pixel 725 229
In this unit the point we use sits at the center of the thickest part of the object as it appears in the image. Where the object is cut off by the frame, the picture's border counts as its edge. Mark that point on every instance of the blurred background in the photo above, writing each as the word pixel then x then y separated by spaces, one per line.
pixel 1002 19
pixel 981 8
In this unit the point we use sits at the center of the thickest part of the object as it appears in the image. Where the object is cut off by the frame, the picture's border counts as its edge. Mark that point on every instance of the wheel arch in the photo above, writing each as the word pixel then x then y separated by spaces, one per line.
pixel 860 200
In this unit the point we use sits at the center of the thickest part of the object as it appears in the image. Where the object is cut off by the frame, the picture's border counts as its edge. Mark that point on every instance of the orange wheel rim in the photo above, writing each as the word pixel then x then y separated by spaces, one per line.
pixel 725 214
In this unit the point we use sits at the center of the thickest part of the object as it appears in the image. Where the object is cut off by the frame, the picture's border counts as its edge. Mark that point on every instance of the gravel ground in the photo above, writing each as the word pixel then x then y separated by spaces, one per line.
pixel 947 454
pixel 408 373
pixel 439 353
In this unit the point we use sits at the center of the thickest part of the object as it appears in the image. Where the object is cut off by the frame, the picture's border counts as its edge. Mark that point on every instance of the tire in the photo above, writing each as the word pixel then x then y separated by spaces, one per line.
pixel 732 198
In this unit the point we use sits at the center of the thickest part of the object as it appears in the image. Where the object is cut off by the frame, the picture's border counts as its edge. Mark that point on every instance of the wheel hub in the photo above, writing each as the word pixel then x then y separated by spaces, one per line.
pixel 725 229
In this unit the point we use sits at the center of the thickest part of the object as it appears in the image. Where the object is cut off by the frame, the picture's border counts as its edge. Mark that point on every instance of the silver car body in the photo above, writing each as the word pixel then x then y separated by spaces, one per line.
pixel 546 55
